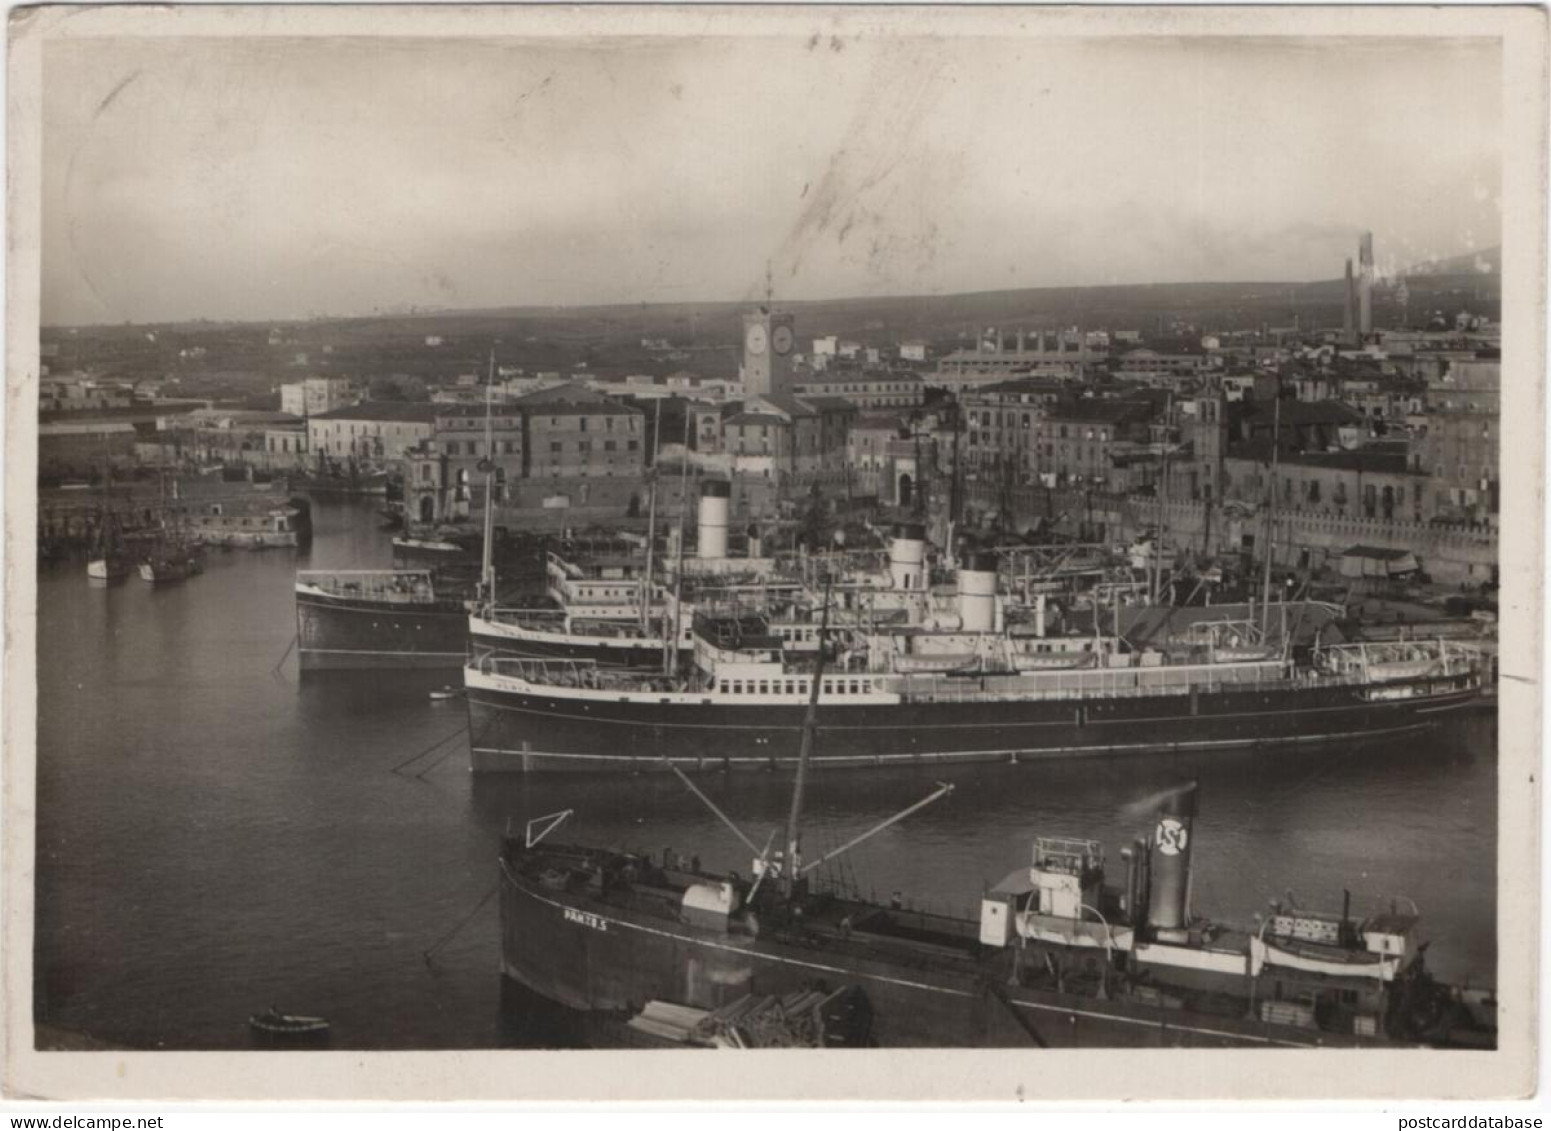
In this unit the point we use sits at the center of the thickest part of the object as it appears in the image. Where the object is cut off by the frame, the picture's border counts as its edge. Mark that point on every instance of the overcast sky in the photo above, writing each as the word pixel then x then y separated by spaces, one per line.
pixel 286 179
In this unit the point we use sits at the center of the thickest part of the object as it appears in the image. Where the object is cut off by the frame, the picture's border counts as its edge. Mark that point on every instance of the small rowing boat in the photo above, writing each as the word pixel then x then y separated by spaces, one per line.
pixel 287 1024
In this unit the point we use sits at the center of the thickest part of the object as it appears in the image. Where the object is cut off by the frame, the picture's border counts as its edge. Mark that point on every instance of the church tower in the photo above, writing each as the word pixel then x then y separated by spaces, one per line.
pixel 768 342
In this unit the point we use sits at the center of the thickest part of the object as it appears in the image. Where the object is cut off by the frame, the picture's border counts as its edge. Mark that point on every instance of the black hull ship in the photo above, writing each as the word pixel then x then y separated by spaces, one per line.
pixel 350 619
pixel 521 727
pixel 388 618
pixel 910 695
pixel 660 952
pixel 929 675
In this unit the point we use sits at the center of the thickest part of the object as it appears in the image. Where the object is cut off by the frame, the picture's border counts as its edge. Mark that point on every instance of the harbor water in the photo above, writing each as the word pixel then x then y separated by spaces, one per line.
pixel 217 834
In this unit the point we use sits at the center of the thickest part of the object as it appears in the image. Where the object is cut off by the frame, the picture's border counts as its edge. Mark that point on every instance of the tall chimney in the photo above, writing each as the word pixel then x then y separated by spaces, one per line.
pixel 977 593
pixel 1365 285
pixel 714 496
pixel 907 556
pixel 1168 898
pixel 1349 315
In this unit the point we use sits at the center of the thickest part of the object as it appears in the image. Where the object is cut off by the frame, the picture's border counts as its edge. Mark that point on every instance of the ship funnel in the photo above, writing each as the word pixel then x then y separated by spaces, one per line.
pixel 714 498
pixel 977 593
pixel 907 556
pixel 1168 911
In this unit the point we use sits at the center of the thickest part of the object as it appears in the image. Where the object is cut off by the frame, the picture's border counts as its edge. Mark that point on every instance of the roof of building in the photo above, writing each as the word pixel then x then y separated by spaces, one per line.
pixel 1166 349
pixel 878 421
pixel 573 399
pixel 829 404
pixel 840 376
pixel 788 403
pixel 1029 384
pixel 1294 413
pixel 1110 411
pixel 246 415
pixel 460 408
pixel 1378 553
pixel 1370 459
pixel 415 412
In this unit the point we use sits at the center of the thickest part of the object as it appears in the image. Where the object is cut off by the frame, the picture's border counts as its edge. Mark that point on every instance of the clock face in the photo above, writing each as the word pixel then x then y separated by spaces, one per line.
pixel 754 340
pixel 781 339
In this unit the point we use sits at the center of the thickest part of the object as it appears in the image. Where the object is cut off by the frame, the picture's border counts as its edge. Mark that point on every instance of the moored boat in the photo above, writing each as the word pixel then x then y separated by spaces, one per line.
pixel 378 619
pixel 430 547
pixel 108 567
pixel 901 695
pixel 273 1022
pixel 169 558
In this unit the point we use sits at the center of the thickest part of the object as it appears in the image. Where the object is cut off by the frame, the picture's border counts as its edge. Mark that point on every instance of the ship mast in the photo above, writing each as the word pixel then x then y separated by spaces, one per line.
pixel 487 561
pixel 1162 496
pixel 804 752
pixel 651 522
pixel 1265 577
pixel 792 869
pixel 671 644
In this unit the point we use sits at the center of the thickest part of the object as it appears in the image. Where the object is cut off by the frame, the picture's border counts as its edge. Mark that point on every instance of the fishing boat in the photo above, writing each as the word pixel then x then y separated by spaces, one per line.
pixel 274 1022
pixel 170 553
pixel 171 557
pixel 107 567
pixel 109 558
pixel 1058 956
pixel 169 564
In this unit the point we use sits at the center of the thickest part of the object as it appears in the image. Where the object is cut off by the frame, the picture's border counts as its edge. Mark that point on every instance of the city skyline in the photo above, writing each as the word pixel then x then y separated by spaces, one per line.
pixel 289 179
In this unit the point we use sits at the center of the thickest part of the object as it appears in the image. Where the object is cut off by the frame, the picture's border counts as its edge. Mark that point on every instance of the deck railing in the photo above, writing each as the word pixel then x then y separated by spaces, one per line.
pixel 404 586
pixel 993 688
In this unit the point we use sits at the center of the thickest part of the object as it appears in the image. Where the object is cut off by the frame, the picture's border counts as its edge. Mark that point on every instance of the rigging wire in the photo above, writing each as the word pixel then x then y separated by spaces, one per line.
pixel 465 921
pixel 438 743
pixel 275 671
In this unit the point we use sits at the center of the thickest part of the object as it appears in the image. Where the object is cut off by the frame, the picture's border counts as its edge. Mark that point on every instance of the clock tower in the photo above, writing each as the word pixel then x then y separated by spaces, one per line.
pixel 768 342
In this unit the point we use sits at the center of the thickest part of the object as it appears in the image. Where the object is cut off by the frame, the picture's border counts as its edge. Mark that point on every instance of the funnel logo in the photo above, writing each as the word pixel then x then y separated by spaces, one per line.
pixel 1172 837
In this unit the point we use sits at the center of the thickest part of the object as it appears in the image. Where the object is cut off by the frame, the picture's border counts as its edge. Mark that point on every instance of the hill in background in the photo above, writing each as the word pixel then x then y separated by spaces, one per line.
pixel 249 360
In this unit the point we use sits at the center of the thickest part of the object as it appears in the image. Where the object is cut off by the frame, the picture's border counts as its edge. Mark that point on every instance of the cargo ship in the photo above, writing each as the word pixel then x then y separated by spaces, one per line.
pixel 662 952
pixel 955 683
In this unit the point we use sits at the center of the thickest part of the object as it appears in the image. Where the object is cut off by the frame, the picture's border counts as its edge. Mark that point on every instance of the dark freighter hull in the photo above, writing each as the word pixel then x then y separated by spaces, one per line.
pixel 532 731
pixel 609 962
pixel 346 633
